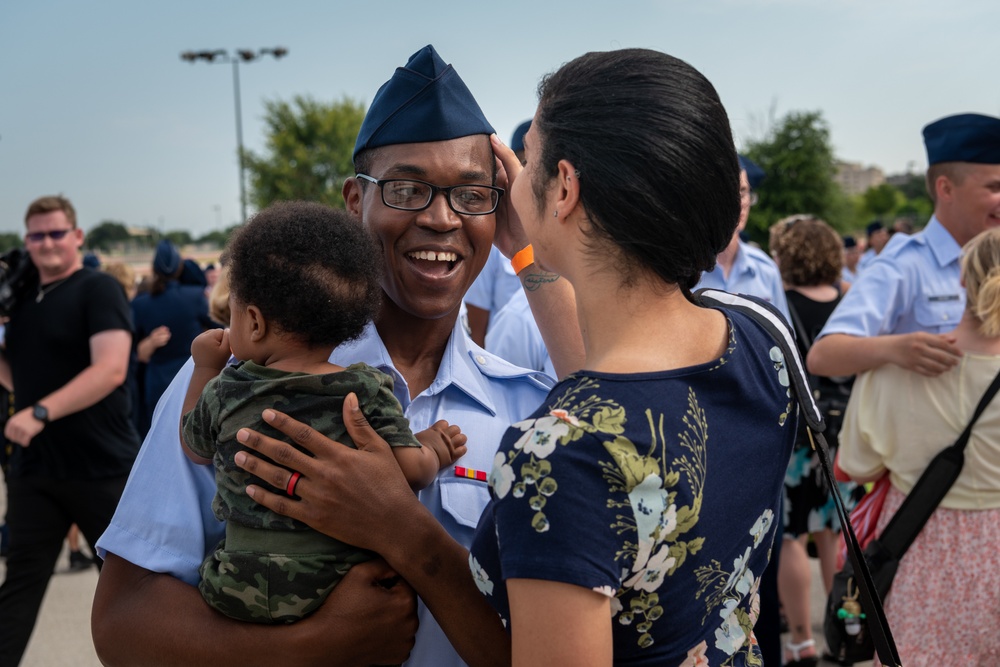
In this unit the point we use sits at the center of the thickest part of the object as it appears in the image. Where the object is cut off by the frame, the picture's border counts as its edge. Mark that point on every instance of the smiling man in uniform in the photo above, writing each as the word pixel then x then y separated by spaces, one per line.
pixel 426 189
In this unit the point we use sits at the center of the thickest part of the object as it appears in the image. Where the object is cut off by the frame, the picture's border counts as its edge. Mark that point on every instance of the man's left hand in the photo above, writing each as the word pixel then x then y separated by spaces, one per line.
pixel 22 427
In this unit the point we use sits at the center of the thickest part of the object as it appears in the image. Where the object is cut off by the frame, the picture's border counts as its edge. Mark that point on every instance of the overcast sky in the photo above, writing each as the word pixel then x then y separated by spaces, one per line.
pixel 95 102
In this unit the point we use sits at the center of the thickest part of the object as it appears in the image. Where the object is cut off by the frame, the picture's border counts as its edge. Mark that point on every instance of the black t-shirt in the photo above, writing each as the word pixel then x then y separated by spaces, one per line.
pixel 813 315
pixel 48 344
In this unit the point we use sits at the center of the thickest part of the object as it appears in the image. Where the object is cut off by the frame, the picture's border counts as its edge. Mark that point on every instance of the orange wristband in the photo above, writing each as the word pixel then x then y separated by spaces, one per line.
pixel 522 259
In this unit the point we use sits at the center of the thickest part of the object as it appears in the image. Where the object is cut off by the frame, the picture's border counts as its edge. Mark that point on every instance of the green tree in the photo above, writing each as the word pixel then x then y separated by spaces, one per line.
pixel 106 235
pixel 797 158
pixel 217 238
pixel 309 151
pixel 882 200
pixel 9 241
pixel 178 237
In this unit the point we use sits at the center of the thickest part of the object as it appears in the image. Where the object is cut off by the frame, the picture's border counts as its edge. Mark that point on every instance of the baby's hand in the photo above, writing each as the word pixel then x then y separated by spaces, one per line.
pixel 446 440
pixel 210 349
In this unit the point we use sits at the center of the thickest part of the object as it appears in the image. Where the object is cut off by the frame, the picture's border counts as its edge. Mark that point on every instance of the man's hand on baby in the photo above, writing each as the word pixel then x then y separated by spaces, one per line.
pixel 210 349
pixel 446 440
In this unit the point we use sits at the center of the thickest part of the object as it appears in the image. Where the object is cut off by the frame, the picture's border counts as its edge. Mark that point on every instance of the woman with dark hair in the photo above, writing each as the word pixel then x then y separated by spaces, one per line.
pixel 633 513
pixel 166 319
pixel 810 257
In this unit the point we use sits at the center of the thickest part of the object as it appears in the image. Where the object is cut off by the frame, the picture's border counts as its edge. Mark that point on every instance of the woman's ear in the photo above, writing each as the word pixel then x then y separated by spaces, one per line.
pixel 568 193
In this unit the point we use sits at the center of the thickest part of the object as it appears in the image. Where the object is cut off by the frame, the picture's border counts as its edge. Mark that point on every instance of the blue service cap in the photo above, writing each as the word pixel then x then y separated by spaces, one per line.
pixel 517 140
pixel 425 100
pixel 754 173
pixel 967 137
pixel 850 242
pixel 167 260
pixel 873 227
pixel 91 261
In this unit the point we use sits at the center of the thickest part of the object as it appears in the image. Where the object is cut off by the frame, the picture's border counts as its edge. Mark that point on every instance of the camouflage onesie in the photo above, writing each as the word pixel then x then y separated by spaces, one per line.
pixel 270 568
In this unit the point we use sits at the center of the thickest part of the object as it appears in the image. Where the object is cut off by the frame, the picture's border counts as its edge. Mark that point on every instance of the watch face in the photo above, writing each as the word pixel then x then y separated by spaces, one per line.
pixel 40 413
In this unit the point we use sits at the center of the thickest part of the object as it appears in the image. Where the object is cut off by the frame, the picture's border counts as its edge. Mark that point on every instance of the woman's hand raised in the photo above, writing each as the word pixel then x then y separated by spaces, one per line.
pixel 358 495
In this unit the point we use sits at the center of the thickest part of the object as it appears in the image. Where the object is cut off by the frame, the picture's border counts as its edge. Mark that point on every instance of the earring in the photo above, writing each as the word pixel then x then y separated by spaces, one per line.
pixel 555 214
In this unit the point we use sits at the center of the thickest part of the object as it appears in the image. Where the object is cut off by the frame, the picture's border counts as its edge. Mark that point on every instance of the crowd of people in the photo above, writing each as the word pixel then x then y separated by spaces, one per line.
pixel 500 426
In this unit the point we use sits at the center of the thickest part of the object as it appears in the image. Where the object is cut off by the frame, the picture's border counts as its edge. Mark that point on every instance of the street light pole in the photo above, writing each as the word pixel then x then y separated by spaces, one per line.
pixel 246 56
pixel 239 139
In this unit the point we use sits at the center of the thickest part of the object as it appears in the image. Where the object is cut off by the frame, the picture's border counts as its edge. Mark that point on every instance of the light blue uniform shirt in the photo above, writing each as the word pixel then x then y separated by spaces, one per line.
pixel 164 521
pixel 848 276
pixel 867 257
pixel 495 284
pixel 913 285
pixel 514 336
pixel 753 273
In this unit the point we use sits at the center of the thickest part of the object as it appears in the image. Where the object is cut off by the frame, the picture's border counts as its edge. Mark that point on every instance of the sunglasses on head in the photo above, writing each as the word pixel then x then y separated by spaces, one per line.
pixel 55 235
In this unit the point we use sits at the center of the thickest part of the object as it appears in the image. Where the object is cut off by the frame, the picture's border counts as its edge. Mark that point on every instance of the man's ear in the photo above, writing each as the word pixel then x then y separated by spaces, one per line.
pixel 943 187
pixel 257 323
pixel 353 192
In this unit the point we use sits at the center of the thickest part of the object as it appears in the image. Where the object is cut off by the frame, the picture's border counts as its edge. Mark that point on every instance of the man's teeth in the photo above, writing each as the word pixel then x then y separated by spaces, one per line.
pixel 434 256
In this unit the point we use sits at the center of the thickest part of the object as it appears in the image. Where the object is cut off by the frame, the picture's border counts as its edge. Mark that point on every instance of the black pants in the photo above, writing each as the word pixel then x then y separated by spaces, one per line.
pixel 40 511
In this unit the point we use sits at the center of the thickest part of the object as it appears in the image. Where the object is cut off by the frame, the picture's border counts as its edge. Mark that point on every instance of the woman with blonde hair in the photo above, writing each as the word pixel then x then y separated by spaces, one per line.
pixel 944 601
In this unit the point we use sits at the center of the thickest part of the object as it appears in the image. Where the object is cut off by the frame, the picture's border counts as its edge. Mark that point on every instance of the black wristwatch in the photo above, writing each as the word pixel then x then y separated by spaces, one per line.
pixel 40 412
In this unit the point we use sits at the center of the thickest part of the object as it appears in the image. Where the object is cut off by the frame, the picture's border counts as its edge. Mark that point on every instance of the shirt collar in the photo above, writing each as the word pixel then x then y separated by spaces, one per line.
pixel 742 264
pixel 458 366
pixel 942 244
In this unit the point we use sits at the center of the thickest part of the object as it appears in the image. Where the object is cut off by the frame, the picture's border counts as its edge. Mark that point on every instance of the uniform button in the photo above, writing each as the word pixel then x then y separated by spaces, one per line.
pixel 944 316
pixel 481 359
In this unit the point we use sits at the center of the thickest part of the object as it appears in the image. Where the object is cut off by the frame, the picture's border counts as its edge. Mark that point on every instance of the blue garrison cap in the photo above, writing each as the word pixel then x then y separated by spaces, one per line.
pixel 517 140
pixel 850 242
pixel 91 261
pixel 167 260
pixel 425 100
pixel 754 173
pixel 967 137
pixel 873 227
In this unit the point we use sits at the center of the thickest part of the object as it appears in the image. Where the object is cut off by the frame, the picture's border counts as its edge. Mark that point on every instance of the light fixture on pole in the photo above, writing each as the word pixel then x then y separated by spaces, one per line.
pixel 236 57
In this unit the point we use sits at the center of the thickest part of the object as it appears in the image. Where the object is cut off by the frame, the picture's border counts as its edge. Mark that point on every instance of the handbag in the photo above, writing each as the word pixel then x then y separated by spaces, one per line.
pixel 774 324
pixel 845 625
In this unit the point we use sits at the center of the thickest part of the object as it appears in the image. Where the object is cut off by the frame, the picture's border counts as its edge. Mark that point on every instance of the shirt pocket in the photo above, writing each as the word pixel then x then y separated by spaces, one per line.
pixel 464 499
pixel 939 312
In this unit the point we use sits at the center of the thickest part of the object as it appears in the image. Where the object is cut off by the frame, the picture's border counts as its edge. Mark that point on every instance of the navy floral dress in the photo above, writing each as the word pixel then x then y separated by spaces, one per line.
pixel 659 490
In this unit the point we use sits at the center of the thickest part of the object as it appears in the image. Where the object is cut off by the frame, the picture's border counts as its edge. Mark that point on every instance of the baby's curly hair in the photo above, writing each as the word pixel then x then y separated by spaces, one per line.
pixel 313 271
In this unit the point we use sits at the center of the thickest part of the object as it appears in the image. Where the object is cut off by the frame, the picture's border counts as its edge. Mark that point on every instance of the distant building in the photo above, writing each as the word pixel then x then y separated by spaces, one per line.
pixel 854 179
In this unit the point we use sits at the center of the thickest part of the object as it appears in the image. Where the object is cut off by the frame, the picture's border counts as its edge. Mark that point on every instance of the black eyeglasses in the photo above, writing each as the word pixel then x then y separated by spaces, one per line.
pixel 55 235
pixel 408 195
pixel 749 195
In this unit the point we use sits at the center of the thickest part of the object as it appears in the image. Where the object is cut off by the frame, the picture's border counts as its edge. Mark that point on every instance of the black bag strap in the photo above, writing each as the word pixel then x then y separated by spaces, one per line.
pixel 931 488
pixel 774 323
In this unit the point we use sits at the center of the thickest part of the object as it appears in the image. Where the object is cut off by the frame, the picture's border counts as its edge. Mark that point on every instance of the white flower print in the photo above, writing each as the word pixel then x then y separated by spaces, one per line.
pixel 501 476
pixel 480 576
pixel 649 506
pixel 729 637
pixel 608 591
pixel 762 525
pixel 779 365
pixel 739 568
pixel 651 576
pixel 541 435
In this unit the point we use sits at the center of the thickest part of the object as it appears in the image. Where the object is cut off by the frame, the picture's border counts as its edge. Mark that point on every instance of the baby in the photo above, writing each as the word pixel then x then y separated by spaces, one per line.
pixel 303 279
